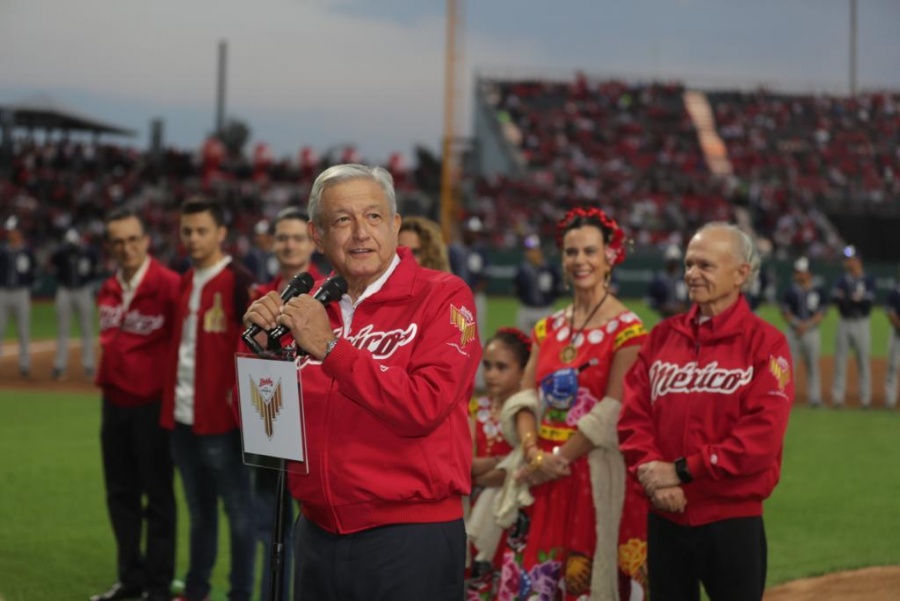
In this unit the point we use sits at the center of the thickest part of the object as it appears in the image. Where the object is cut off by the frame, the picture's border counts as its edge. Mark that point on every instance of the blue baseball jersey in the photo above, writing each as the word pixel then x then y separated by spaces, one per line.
pixel 667 290
pixel 75 266
pixel 469 263
pixel 892 304
pixel 537 285
pixel 802 303
pixel 17 267
pixel 263 265
pixel 763 289
pixel 854 296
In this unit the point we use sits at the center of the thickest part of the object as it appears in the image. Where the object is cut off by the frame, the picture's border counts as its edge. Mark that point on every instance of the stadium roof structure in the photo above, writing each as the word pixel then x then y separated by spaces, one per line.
pixel 42 113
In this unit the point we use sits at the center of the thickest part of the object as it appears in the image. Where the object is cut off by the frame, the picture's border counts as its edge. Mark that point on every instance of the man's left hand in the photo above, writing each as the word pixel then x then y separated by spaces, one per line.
pixel 657 474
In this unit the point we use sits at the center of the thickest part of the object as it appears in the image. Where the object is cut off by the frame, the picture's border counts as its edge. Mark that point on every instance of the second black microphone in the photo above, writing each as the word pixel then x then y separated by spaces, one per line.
pixel 331 290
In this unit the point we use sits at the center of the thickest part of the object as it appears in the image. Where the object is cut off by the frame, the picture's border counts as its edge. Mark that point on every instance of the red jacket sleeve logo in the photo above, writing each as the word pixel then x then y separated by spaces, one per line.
pixel 780 370
pixel 464 321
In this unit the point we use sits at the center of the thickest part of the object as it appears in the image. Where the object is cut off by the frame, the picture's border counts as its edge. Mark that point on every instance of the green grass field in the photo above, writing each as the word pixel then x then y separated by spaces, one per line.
pixel 834 509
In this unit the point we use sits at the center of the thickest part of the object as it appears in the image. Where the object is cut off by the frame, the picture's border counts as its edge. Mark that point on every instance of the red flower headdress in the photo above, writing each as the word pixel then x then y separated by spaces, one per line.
pixel 518 334
pixel 615 245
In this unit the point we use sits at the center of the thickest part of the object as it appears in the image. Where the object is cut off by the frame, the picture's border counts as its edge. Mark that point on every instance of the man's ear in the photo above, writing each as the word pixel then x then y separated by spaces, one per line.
pixel 316 234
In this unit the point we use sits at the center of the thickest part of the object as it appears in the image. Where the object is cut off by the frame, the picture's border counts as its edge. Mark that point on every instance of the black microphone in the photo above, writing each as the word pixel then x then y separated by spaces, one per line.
pixel 299 284
pixel 331 290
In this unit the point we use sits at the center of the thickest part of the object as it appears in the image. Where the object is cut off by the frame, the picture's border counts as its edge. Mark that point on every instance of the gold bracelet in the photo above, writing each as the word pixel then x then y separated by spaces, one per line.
pixel 529 440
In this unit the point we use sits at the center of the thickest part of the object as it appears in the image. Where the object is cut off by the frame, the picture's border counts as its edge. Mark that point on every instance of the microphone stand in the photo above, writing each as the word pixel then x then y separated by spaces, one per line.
pixel 277 552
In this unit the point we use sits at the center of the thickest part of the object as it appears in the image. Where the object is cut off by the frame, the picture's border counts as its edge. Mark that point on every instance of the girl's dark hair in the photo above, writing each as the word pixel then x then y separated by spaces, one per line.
pixel 517 341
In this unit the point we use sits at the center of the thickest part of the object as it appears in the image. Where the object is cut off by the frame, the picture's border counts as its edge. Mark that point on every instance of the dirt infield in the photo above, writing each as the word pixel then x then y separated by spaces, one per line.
pixel 826 370
pixel 869 584
pixel 41 377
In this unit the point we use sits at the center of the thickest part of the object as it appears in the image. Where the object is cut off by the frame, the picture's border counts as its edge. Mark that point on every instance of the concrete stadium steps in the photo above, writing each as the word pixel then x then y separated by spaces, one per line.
pixel 714 150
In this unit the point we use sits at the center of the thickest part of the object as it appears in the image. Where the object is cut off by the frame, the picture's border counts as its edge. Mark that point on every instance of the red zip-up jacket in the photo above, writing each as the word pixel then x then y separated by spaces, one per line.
pixel 386 413
pixel 719 394
pixel 223 301
pixel 135 342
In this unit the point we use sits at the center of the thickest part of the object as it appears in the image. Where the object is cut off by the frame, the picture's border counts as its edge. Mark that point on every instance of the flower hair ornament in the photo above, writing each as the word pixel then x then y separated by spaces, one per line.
pixel 615 245
pixel 518 335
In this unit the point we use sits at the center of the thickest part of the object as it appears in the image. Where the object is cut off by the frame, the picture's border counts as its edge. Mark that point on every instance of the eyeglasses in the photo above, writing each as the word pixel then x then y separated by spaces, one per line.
pixel 298 238
pixel 122 242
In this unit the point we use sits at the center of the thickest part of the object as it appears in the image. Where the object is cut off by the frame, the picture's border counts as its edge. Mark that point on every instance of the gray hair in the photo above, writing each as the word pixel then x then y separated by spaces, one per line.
pixel 339 174
pixel 745 250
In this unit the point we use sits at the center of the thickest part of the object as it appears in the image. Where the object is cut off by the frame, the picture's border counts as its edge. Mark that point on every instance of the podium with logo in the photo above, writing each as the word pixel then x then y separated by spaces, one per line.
pixel 270 403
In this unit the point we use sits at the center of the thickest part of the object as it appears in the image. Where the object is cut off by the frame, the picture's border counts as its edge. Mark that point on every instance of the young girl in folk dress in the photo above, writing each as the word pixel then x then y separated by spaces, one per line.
pixel 505 356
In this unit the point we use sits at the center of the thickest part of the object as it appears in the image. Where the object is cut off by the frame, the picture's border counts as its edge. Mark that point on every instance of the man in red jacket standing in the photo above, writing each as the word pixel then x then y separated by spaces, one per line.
pixel 137 309
pixel 206 442
pixel 704 413
pixel 386 384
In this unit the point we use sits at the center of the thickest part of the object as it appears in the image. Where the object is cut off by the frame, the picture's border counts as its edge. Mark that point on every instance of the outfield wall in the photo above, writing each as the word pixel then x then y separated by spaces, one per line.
pixel 634 275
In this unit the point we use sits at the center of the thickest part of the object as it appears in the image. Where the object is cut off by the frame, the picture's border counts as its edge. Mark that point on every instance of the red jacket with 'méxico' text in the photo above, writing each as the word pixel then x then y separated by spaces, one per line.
pixel 718 393
pixel 386 413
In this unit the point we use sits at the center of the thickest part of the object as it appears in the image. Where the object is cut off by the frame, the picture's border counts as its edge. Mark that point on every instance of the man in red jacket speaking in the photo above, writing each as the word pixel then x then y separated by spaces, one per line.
pixel 386 383
pixel 702 426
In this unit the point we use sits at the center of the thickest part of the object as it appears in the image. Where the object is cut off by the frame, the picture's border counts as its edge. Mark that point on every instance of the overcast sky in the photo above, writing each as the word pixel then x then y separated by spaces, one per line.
pixel 327 72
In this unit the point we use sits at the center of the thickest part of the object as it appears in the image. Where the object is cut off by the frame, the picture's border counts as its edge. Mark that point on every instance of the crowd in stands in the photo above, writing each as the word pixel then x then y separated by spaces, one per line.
pixel 59 184
pixel 798 153
pixel 634 148
pixel 630 146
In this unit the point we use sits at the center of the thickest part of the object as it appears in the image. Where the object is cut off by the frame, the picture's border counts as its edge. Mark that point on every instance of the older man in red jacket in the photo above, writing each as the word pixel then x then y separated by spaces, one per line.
pixel 703 419
pixel 386 383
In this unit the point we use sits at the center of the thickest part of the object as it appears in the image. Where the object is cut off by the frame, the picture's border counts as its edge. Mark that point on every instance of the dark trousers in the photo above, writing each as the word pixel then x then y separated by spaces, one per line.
pixel 728 557
pixel 390 563
pixel 211 466
pixel 137 463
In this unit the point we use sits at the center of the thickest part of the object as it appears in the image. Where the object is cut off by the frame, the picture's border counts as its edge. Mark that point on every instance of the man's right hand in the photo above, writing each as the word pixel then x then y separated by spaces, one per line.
pixel 264 312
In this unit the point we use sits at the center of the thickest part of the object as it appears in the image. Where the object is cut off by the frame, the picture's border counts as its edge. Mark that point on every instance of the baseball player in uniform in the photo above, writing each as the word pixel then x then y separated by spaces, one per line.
pixel 892 308
pixel 853 294
pixel 260 259
pixel 16 278
pixel 75 267
pixel 668 292
pixel 469 261
pixel 803 307
pixel 537 283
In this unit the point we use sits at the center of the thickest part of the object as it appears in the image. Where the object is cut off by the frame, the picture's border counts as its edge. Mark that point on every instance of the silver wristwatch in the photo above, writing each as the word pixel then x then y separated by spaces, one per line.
pixel 330 347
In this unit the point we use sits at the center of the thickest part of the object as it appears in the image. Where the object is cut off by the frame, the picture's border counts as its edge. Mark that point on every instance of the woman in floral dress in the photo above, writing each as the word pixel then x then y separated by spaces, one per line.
pixel 584 536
